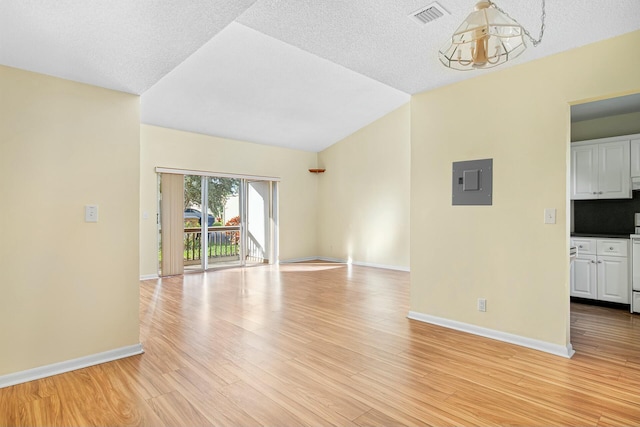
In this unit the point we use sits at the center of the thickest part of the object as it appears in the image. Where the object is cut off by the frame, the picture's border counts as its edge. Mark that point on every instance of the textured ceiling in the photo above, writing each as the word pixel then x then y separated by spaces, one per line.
pixel 286 72
pixel 244 85
pixel 376 38
pixel 126 45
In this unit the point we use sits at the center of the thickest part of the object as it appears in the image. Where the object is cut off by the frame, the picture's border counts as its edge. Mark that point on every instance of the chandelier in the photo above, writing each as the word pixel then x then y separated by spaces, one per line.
pixel 486 38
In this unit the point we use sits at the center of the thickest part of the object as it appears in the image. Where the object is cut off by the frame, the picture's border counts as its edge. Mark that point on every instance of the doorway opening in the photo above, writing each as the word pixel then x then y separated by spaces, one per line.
pixel 603 201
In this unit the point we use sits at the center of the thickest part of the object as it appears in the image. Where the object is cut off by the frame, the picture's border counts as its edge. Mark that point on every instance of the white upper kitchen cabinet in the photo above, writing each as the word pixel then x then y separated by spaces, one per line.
pixel 635 156
pixel 601 170
pixel 584 172
pixel 614 176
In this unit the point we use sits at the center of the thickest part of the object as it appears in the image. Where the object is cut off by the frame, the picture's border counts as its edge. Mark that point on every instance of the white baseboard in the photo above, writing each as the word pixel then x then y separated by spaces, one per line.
pixel 69 365
pixel 149 276
pixel 329 259
pixel 494 334
pixel 344 261
pixel 304 259
pixel 384 266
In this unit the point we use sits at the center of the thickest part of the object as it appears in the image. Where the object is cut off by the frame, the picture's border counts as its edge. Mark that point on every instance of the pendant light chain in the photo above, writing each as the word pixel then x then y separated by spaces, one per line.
pixel 533 41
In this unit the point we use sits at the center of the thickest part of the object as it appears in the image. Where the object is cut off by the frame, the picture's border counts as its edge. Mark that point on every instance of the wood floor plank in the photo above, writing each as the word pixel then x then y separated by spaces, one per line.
pixel 343 385
pixel 431 408
pixel 609 419
pixel 261 407
pixel 174 410
pixel 329 344
pixel 428 387
pixel 141 374
pixel 44 411
pixel 375 418
pixel 212 404
pixel 300 396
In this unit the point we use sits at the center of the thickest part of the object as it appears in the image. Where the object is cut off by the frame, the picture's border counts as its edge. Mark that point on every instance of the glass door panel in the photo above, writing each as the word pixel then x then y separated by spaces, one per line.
pixel 223 234
pixel 193 250
pixel 258 222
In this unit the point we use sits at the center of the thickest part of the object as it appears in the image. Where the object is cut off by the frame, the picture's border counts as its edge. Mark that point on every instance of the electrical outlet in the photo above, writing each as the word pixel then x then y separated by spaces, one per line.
pixel 482 304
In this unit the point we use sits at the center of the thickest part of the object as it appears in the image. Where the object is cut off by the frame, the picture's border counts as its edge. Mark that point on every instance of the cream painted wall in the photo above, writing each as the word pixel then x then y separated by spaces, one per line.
pixel 364 194
pixel 69 288
pixel 161 147
pixel 621 124
pixel 519 117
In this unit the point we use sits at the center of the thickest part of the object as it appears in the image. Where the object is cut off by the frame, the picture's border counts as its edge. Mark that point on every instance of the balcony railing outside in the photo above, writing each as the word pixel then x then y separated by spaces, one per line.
pixel 223 244
pixel 255 252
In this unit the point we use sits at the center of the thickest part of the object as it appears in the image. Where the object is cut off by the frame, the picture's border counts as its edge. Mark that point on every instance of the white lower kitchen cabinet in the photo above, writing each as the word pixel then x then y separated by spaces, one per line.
pixel 584 277
pixel 601 269
pixel 613 279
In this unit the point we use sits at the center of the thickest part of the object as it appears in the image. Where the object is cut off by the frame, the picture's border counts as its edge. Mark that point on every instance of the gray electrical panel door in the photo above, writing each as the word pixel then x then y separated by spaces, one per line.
pixel 473 182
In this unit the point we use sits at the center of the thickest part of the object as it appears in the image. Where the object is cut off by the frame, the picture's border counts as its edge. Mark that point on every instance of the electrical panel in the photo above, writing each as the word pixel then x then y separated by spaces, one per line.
pixel 472 182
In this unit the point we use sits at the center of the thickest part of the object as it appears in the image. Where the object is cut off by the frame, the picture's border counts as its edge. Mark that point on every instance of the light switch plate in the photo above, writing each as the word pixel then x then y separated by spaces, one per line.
pixel 91 213
pixel 549 216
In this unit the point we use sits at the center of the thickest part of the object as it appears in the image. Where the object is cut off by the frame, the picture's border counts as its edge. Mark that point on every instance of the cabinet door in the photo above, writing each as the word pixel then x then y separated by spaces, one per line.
pixel 635 157
pixel 614 174
pixel 583 277
pixel 584 172
pixel 613 279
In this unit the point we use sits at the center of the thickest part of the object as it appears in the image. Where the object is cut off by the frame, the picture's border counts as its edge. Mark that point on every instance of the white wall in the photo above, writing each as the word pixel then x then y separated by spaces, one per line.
pixel 616 125
pixel 363 197
pixel 519 117
pixel 69 288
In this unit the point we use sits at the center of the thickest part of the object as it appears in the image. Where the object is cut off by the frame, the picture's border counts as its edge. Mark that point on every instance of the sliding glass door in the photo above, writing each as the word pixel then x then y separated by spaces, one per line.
pixel 227 221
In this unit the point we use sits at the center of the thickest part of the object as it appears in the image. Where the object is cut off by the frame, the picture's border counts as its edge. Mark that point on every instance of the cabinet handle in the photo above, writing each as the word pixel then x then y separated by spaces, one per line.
pixel 580 247
pixel 599 192
pixel 611 248
pixel 592 262
pixel 599 262
pixel 595 192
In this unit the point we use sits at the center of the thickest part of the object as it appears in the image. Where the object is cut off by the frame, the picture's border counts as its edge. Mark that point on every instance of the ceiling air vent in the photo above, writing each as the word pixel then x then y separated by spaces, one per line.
pixel 429 13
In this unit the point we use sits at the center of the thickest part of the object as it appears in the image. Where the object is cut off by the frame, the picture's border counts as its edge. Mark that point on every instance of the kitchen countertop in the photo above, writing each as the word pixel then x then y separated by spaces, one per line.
pixel 602 235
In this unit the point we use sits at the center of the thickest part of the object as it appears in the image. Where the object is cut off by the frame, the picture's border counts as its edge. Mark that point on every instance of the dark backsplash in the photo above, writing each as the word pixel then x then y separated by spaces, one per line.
pixel 606 216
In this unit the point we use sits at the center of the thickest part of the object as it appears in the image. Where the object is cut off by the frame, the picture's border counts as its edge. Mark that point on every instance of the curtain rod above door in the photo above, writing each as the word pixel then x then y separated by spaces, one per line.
pixel 216 174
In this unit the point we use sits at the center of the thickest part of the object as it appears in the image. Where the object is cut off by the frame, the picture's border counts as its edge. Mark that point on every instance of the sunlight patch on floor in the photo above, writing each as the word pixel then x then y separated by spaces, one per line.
pixel 310 266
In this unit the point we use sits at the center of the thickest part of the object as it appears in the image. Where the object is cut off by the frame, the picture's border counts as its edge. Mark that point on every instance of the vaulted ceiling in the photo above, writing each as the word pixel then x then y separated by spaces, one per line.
pixel 291 73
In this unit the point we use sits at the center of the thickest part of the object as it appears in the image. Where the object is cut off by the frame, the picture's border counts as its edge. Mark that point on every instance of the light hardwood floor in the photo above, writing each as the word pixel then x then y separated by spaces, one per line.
pixel 326 344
